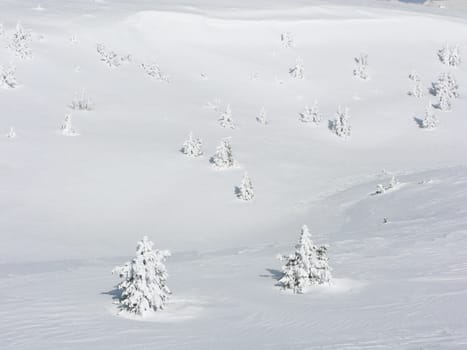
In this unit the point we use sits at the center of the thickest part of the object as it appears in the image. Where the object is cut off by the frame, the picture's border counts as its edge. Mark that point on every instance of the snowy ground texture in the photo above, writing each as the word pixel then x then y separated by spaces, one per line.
pixel 74 207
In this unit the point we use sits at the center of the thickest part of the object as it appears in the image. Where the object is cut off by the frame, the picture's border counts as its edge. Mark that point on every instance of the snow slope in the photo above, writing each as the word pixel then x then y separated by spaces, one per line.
pixel 73 207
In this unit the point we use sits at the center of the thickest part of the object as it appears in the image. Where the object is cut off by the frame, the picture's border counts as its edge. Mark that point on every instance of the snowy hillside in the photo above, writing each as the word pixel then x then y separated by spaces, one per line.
pixel 105 95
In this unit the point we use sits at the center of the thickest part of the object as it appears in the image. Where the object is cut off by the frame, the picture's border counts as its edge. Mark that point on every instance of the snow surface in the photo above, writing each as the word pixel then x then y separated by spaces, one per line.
pixel 74 207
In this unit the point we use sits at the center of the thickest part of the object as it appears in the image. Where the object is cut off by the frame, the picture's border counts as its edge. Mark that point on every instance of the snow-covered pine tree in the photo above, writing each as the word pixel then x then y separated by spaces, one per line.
pixel 307 265
pixel 341 126
pixel 287 39
pixel 323 270
pixel 11 133
pixel 297 72
pixel 193 147
pixel 311 114
pixel 446 89
pixel 361 70
pixel 246 191
pixel 450 55
pixel 429 121
pixel 417 90
pixel 19 42
pixel 144 286
pixel 223 158
pixel 81 101
pixel 8 77
pixel 261 118
pixel 226 120
pixel 67 128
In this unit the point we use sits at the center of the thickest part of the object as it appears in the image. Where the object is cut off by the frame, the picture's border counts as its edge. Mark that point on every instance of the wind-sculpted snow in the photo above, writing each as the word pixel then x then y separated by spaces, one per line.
pixel 72 208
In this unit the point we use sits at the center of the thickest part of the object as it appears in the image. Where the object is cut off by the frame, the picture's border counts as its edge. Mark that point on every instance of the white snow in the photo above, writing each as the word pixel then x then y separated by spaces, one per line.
pixel 74 207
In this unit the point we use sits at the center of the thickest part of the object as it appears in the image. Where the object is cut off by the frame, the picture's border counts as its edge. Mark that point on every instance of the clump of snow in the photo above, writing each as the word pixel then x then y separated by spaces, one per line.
pixel 110 57
pixel 297 71
pixel 245 191
pixel 223 158
pixel 361 69
pixel 67 128
pixel 8 77
pixel 308 265
pixel 417 90
pixel 450 55
pixel 262 117
pixel 341 125
pixel 446 89
pixel 287 39
pixel 144 280
pixel 193 147
pixel 155 72
pixel 11 133
pixel 81 101
pixel 20 42
pixel 311 114
pixel 226 120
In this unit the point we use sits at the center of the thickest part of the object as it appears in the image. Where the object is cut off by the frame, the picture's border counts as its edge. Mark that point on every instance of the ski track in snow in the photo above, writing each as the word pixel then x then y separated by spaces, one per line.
pixel 72 208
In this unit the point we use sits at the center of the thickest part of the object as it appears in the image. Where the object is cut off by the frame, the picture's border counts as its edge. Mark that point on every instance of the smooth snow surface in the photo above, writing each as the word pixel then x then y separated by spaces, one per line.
pixel 74 207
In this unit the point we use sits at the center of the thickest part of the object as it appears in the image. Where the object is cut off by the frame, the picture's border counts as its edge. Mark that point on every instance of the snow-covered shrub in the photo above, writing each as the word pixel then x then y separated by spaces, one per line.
pixel 341 125
pixel 74 40
pixel 450 55
pixel 67 128
pixel 308 265
pixel 430 121
pixel 261 118
pixel 193 147
pixel 417 90
pixel 226 120
pixel 223 158
pixel 446 89
pixel 143 286
pixel 287 39
pixel 361 70
pixel 8 77
pixel 20 42
pixel 81 102
pixel 297 72
pixel 11 133
pixel 245 191
pixel 311 114
pixel 381 189
pixel 111 58
pixel 155 72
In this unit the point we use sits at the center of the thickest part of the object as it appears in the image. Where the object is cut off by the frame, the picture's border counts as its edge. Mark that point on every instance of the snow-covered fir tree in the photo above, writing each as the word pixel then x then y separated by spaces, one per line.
pixel 11 133
pixel 20 42
pixel 8 77
pixel 430 121
pixel 308 265
pixel 155 72
pixel 223 158
pixel 297 72
pixel 144 280
pixel 446 89
pixel 193 147
pixel 245 191
pixel 450 55
pixel 67 128
pixel 287 39
pixel 262 117
pixel 361 70
pixel 81 101
pixel 226 120
pixel 341 125
pixel 311 114
pixel 417 90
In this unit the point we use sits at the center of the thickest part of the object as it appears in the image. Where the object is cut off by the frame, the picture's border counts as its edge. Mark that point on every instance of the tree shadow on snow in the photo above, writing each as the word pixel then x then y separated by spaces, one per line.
pixel 237 191
pixel 114 293
pixel 273 273
pixel 419 122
